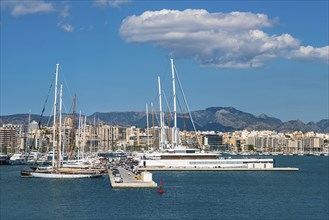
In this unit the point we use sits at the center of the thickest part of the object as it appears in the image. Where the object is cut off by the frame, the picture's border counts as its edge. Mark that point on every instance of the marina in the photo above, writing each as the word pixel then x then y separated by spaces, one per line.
pixel 164 110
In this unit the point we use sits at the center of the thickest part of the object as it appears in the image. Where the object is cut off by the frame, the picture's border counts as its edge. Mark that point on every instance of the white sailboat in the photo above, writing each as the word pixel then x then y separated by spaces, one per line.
pixel 56 171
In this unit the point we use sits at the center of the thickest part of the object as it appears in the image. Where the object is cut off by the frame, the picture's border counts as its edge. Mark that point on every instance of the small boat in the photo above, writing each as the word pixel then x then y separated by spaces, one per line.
pixel 17 159
pixel 26 173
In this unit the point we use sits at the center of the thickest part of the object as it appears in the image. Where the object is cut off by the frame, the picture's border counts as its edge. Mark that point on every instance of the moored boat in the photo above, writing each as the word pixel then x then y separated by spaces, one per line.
pixel 193 158
pixel 63 175
pixel 176 156
pixel 17 159
pixel 56 170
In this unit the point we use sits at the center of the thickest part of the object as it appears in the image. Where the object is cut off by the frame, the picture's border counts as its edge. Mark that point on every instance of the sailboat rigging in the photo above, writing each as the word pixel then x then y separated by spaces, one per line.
pixel 56 170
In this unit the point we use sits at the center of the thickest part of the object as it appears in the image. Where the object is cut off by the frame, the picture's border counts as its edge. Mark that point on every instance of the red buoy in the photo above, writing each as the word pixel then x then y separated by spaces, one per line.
pixel 160 190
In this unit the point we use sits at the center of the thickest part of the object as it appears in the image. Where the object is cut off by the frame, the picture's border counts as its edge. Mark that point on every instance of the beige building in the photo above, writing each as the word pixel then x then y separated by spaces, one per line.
pixel 11 138
pixel 108 136
pixel 8 140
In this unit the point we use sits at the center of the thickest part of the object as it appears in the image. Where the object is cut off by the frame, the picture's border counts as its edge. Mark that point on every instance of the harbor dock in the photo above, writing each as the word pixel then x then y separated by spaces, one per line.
pixel 215 169
pixel 130 180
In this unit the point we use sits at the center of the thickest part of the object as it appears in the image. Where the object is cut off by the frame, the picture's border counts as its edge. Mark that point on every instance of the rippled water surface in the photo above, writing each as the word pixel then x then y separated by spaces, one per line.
pixel 188 195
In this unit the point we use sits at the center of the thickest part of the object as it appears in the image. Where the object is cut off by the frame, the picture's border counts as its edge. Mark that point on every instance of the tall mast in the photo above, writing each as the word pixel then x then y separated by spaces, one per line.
pixel 84 135
pixel 161 115
pixel 153 129
pixel 147 127
pixel 79 135
pixel 168 133
pixel 55 112
pixel 73 128
pixel 174 138
pixel 168 117
pixel 94 136
pixel 60 122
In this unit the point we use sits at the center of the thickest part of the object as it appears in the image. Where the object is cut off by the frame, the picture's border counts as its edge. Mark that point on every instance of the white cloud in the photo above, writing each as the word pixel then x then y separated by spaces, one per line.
pixel 66 27
pixel 20 8
pixel 309 53
pixel 65 12
pixel 214 39
pixel 26 7
pixel 111 3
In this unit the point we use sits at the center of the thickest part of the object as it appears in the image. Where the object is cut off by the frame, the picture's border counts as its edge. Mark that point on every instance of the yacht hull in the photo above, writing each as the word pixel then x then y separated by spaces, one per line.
pixel 63 175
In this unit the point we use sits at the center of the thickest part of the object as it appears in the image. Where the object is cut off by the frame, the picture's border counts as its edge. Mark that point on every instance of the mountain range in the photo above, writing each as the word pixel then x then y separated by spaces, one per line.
pixel 213 118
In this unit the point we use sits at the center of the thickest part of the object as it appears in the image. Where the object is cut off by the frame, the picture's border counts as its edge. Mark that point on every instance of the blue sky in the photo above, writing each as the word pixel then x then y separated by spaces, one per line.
pixel 257 56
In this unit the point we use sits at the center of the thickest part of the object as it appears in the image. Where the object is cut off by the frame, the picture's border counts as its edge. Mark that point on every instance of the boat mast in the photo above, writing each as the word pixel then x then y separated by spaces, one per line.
pixel 161 116
pixel 174 137
pixel 153 129
pixel 168 118
pixel 91 137
pixel 73 129
pixel 79 135
pixel 147 127
pixel 57 144
pixel 55 112
pixel 84 136
pixel 60 122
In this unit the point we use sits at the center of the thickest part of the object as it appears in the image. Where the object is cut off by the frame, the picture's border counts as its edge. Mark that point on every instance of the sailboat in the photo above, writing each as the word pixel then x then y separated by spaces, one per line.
pixel 175 140
pixel 55 170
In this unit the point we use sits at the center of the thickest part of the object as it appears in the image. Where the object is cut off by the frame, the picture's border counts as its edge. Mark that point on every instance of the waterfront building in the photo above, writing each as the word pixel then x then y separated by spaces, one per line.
pixel 144 139
pixel 312 144
pixel 8 140
pixel 213 142
pixel 17 138
pixel 11 140
pixel 131 135
pixel 107 136
pixel 121 142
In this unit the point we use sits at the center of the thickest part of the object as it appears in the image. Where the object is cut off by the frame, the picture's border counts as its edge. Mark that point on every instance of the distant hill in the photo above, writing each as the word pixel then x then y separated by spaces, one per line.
pixel 213 118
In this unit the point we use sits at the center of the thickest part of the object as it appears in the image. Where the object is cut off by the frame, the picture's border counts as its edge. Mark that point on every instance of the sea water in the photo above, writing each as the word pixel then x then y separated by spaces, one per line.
pixel 293 195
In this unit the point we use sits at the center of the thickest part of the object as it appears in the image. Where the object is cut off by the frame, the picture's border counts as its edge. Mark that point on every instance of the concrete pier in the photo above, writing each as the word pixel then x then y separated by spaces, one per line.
pixel 215 169
pixel 130 181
